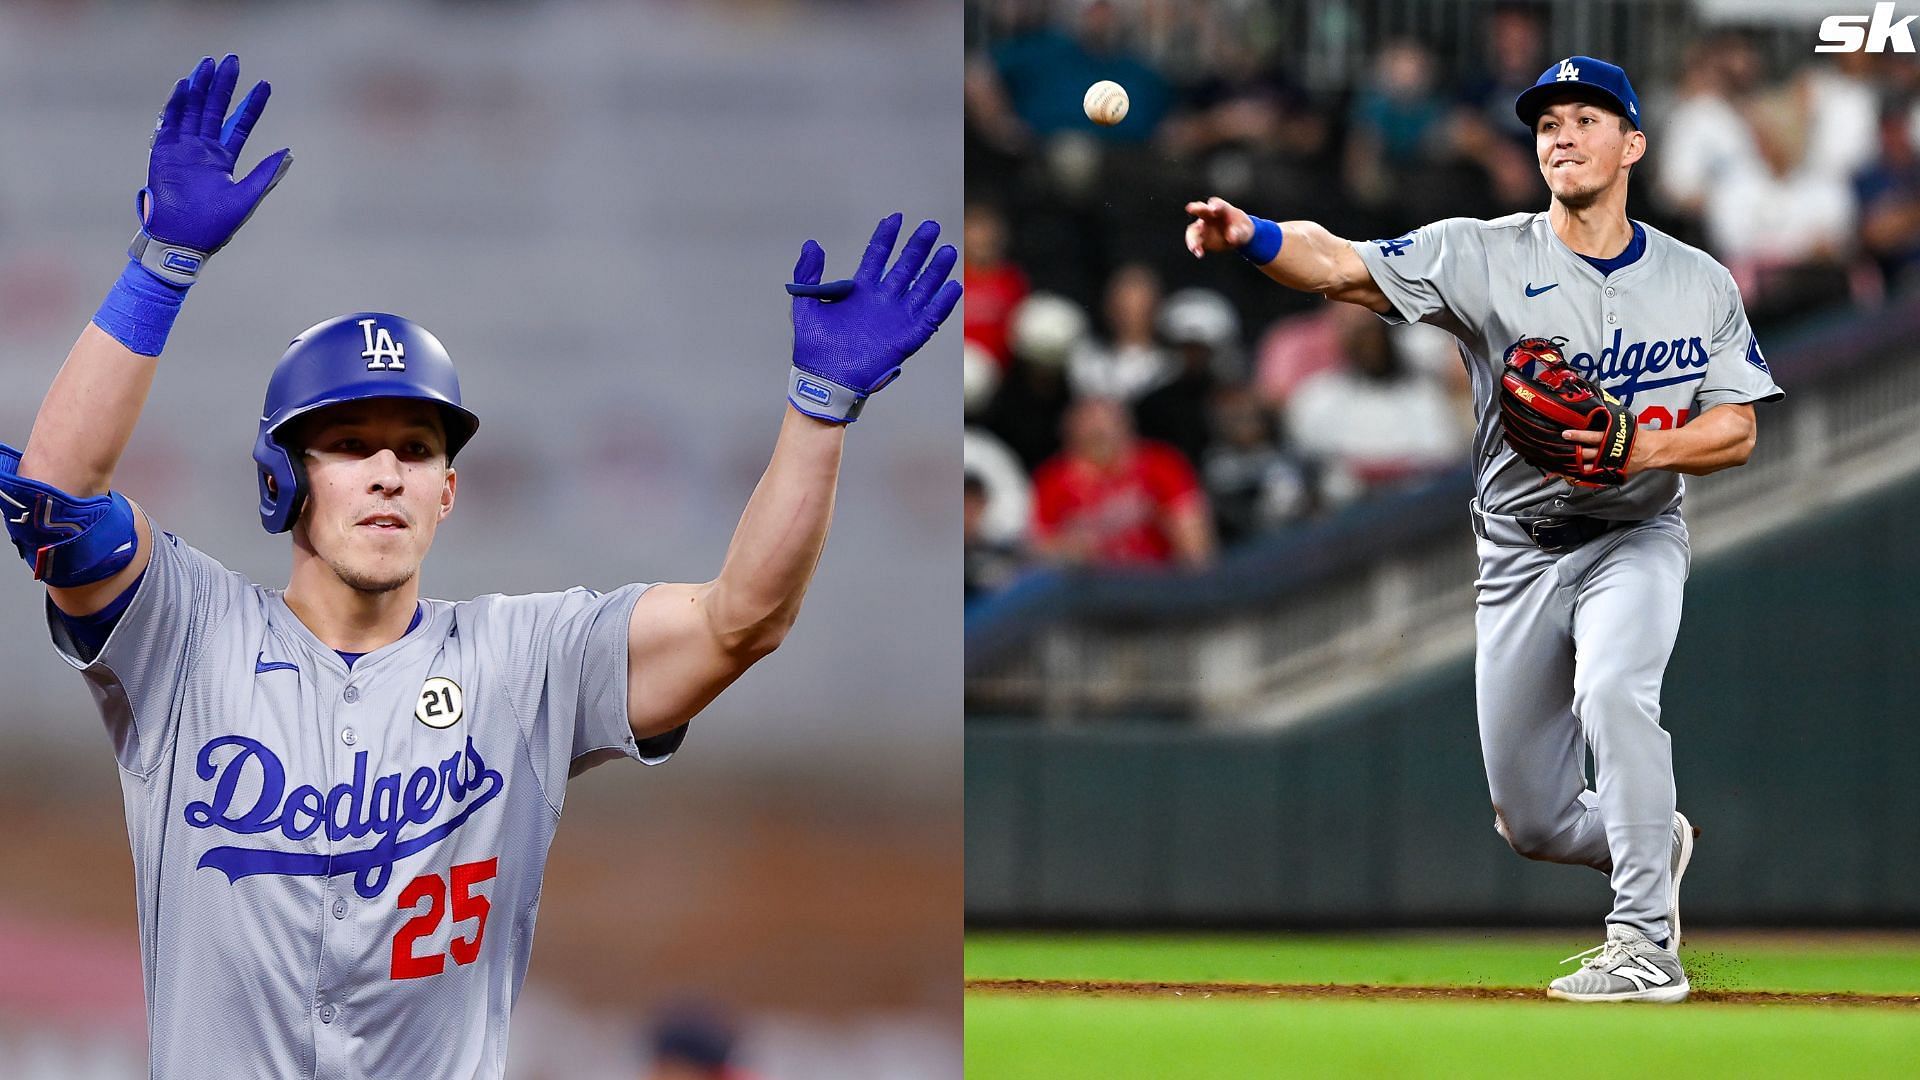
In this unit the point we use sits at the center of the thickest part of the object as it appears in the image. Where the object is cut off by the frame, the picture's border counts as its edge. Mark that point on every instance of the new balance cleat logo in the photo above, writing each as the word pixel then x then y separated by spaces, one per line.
pixel 1642 973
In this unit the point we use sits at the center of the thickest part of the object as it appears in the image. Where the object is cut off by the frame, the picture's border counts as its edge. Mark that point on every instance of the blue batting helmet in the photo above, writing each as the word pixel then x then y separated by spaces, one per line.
pixel 355 357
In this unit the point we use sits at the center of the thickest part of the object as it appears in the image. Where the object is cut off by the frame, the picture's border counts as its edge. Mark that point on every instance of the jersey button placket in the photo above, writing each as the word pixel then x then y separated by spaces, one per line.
pixel 336 943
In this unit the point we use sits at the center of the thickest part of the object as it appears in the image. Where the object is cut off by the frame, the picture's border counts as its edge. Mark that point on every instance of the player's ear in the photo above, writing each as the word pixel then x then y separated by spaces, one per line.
pixel 447 492
pixel 1636 147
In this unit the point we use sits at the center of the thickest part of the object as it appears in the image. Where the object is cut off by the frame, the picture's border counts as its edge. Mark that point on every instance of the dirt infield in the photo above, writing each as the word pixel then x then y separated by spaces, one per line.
pixel 1098 988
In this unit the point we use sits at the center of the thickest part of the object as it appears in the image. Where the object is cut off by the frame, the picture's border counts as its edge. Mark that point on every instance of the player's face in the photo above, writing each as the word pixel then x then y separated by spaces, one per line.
pixel 378 486
pixel 1583 151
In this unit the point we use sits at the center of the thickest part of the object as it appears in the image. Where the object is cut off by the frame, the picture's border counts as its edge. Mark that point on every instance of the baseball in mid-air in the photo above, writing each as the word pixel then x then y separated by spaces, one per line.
pixel 1106 103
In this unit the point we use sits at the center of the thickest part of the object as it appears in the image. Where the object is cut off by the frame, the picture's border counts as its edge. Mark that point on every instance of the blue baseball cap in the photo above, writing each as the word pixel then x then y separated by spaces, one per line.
pixel 1592 80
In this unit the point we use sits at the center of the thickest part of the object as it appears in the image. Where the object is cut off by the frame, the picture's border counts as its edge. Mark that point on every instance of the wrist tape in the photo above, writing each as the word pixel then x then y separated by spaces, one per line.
pixel 1265 244
pixel 140 309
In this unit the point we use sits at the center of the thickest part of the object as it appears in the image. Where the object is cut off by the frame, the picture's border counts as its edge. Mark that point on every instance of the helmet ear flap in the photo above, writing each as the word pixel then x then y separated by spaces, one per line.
pixel 283 483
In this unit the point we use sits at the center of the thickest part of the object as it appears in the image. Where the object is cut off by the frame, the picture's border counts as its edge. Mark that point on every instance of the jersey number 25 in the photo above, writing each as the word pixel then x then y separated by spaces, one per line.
pixel 466 905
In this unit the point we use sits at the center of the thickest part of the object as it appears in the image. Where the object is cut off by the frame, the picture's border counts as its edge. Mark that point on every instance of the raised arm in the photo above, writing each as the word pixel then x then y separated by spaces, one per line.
pixel 1301 255
pixel 58 504
pixel 687 643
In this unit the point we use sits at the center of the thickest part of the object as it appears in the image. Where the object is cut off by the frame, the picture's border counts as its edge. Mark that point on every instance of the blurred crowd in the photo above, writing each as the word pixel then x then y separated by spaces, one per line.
pixel 1128 406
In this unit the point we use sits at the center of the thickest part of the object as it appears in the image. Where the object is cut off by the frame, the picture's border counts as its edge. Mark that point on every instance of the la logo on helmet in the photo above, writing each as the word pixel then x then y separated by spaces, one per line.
pixel 1567 73
pixel 1876 33
pixel 382 352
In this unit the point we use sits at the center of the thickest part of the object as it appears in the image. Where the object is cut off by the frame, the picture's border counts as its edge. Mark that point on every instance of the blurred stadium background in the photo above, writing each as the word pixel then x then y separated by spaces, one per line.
pixel 1235 687
pixel 594 205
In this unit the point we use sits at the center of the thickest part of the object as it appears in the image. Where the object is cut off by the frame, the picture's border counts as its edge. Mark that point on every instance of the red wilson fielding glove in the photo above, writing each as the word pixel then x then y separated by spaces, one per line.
pixel 1541 396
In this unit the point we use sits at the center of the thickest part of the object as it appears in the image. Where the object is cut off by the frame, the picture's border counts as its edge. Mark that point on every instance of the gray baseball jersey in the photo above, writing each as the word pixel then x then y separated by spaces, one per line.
pixel 1572 648
pixel 338 868
pixel 1666 334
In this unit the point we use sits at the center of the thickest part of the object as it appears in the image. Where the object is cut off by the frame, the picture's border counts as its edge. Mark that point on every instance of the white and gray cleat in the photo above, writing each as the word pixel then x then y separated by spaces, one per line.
pixel 1627 968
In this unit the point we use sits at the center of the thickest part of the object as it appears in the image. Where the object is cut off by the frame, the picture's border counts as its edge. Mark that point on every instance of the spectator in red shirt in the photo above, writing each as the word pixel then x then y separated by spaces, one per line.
pixel 995 286
pixel 1110 498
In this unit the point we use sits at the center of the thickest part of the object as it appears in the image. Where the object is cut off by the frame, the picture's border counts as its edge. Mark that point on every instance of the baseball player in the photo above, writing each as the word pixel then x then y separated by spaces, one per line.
pixel 1582 551
pixel 340 795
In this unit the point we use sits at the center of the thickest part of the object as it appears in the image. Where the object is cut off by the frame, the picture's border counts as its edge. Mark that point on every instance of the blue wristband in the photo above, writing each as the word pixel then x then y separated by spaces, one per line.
pixel 139 310
pixel 1265 243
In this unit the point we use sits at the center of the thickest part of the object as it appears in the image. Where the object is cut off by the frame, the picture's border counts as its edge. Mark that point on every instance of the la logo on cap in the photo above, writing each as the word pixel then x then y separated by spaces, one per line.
pixel 1568 73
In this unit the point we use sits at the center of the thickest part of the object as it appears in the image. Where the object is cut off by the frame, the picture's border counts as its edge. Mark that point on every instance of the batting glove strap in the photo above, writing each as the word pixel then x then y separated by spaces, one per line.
pixel 824 399
pixel 175 263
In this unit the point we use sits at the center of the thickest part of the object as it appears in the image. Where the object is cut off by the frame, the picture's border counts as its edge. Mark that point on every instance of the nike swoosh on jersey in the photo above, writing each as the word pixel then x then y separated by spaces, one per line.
pixel 1531 291
pixel 261 663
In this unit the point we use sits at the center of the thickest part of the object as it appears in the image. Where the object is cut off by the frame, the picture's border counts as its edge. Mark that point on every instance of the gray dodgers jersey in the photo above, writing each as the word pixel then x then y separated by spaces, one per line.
pixel 338 870
pixel 1667 335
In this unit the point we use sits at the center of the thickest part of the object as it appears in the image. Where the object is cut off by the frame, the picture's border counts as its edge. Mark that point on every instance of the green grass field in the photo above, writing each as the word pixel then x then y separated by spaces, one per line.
pixel 1159 1034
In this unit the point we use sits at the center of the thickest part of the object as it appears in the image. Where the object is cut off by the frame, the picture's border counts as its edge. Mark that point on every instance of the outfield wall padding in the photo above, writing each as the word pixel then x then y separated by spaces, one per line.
pixel 1796 744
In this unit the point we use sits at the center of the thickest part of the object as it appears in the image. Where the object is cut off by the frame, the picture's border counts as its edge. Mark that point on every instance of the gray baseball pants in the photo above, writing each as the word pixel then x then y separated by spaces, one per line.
pixel 1571 652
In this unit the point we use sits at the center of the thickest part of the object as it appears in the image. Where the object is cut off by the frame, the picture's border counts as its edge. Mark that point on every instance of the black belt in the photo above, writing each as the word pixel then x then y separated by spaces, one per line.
pixel 1553 535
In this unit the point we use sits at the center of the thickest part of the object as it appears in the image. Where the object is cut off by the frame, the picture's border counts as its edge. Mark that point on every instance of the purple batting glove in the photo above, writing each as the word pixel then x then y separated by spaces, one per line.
pixel 192 205
pixel 851 336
